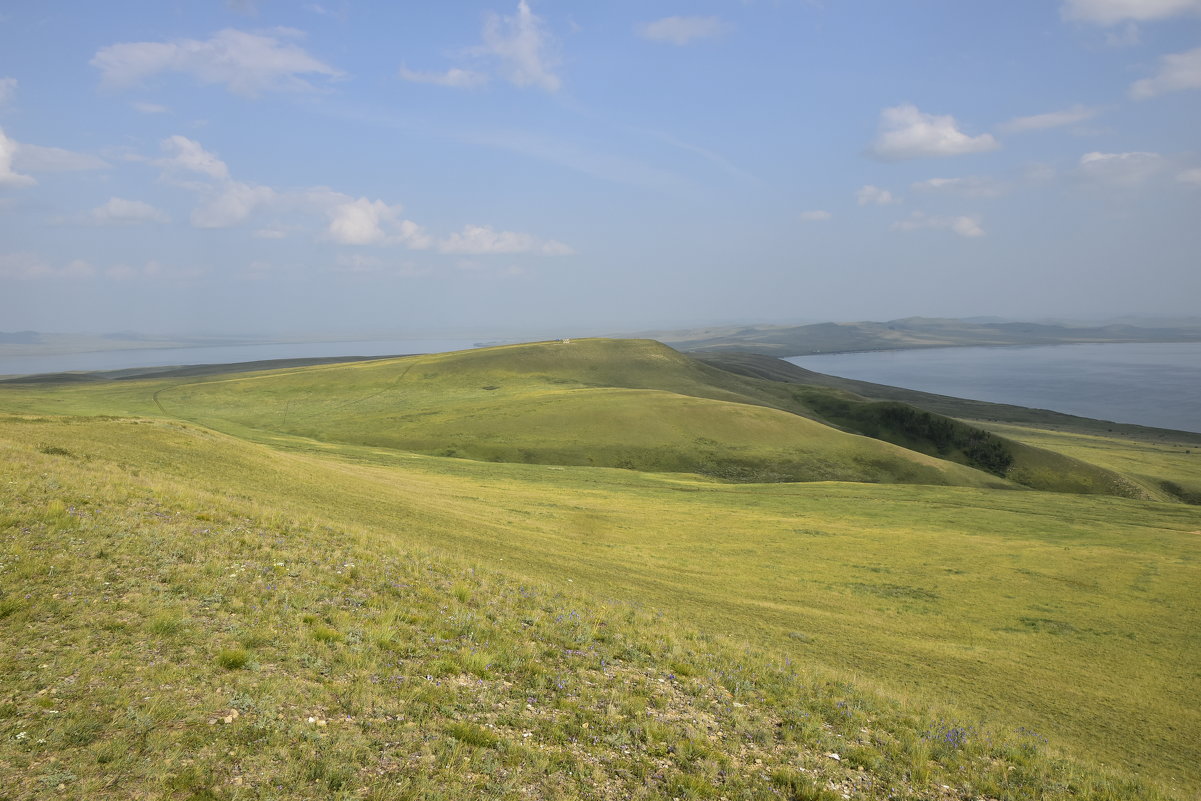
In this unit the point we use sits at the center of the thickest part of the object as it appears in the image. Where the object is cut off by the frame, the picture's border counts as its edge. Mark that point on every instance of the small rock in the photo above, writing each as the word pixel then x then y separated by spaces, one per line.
pixel 834 756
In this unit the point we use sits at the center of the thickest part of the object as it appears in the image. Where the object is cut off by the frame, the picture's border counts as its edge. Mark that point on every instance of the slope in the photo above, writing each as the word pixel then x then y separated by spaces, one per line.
pixel 196 616
pixel 609 403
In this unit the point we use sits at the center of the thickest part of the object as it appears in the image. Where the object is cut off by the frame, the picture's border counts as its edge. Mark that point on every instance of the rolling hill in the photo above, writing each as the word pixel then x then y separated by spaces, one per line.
pixel 277 583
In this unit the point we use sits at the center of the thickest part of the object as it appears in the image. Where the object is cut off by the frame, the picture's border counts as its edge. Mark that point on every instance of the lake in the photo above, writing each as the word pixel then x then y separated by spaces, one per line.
pixel 223 354
pixel 1152 384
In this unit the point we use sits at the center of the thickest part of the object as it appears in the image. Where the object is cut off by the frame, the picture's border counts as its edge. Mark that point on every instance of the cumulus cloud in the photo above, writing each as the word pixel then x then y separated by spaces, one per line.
pixel 1120 169
pixel 226 202
pixel 17 158
pixel 1192 177
pixel 1110 12
pixel 521 47
pixel 874 196
pixel 908 133
pixel 479 240
pixel 8 89
pixel 454 77
pixel 962 225
pixel 8 176
pixel 681 30
pixel 367 222
pixel 246 63
pixel 188 154
pixel 968 186
pixel 816 215
pixel 118 211
pixel 1052 119
pixel 1177 72
pixel 232 204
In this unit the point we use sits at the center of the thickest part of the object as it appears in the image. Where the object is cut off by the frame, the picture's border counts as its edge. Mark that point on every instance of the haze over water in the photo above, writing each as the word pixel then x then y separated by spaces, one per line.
pixel 1153 384
pixel 221 354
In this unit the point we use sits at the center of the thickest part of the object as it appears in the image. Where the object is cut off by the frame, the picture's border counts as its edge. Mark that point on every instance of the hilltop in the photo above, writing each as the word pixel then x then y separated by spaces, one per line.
pixel 635 404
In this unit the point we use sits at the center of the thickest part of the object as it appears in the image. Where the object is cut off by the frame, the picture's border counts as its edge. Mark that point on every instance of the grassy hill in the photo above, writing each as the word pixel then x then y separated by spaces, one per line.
pixel 608 403
pixel 387 623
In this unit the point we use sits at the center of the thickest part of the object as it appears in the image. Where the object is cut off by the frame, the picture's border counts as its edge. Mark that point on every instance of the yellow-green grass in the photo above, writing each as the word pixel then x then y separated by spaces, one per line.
pixel 633 404
pixel 1073 617
pixel 1151 464
pixel 616 403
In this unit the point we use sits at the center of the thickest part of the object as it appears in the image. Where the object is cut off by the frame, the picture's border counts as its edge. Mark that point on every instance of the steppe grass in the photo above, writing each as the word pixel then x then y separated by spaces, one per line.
pixel 1151 464
pixel 1072 618
pixel 180 626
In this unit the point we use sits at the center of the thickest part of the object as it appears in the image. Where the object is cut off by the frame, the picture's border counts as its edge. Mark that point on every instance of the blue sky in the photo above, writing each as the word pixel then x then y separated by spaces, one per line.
pixel 549 166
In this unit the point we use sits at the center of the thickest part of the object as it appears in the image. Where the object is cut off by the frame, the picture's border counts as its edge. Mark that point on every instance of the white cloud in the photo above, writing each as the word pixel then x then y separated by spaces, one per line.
pixel 187 154
pixel 226 202
pixel 1120 169
pixel 8 89
pixel 30 266
pixel 233 204
pixel 1109 12
pixel 968 186
pixel 271 233
pixel 16 158
pixel 817 215
pixel 908 133
pixel 148 108
pixel 37 158
pixel 875 196
pixel 522 48
pixel 1052 119
pixel 1177 72
pixel 454 77
pixel 118 211
pixel 367 222
pixel 1192 176
pixel 681 30
pixel 8 176
pixel 962 225
pixel 478 240
pixel 246 63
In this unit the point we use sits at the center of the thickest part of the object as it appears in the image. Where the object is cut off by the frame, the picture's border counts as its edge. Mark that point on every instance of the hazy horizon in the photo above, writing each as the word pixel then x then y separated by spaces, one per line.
pixel 530 167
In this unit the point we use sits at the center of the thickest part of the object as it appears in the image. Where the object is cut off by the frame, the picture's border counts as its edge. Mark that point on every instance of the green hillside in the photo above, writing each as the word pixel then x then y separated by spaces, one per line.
pixel 389 622
pixel 607 403
pixel 408 627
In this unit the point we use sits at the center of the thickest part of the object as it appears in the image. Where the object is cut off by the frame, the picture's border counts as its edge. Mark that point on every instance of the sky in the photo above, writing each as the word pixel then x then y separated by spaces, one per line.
pixel 566 167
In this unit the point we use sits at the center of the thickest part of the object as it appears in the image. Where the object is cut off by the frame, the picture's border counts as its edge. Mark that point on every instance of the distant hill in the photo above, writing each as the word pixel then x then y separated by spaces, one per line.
pixel 913 332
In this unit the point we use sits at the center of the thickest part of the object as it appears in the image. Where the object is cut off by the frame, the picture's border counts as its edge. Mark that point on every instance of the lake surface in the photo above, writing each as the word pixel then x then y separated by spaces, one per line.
pixel 224 354
pixel 1152 384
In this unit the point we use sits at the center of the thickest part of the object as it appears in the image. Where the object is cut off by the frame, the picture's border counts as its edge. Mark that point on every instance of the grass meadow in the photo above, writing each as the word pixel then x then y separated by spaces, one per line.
pixel 242 609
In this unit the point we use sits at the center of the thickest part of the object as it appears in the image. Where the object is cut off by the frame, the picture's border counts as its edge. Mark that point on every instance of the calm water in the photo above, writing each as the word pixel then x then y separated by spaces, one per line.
pixel 1155 384
pixel 225 354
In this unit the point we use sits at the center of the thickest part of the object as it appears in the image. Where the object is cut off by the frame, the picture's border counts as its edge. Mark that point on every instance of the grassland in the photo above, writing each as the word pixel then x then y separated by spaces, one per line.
pixel 397 624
